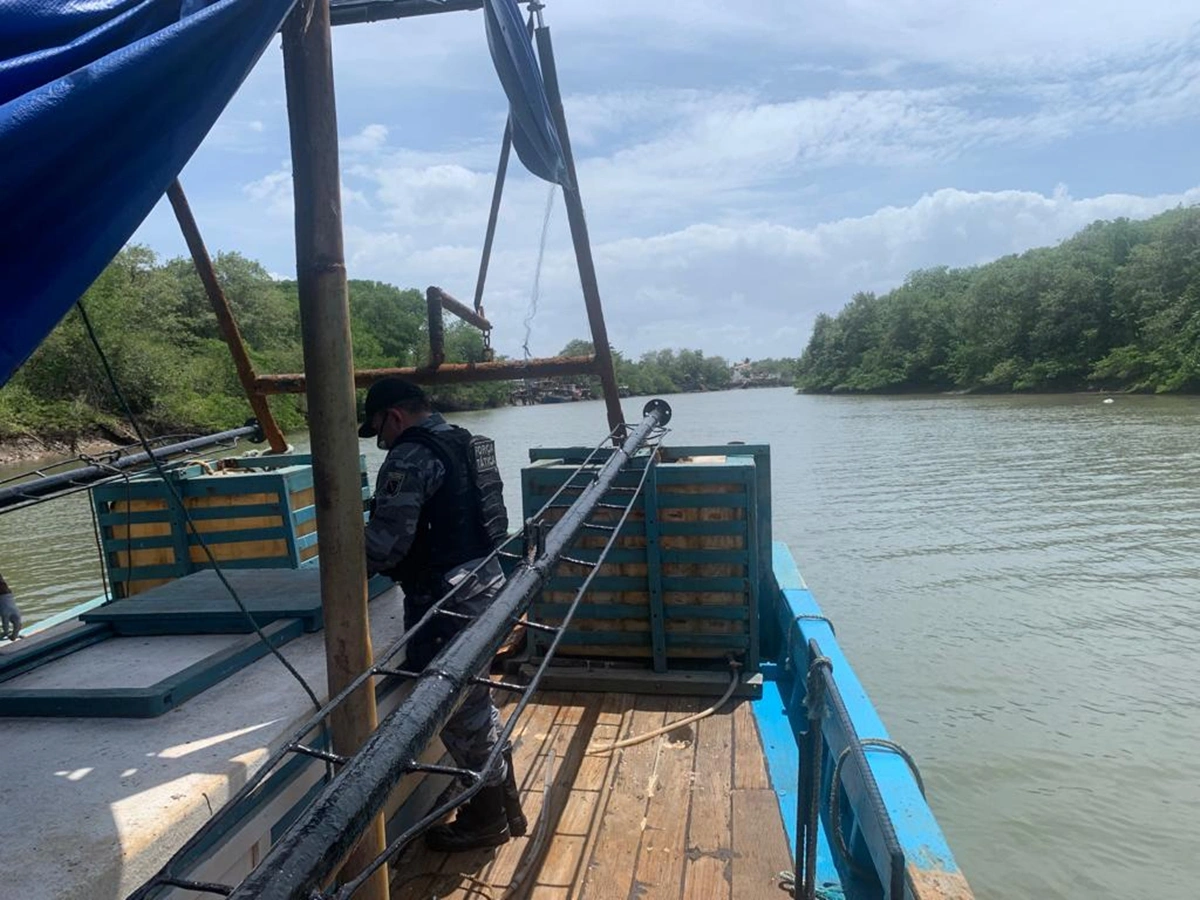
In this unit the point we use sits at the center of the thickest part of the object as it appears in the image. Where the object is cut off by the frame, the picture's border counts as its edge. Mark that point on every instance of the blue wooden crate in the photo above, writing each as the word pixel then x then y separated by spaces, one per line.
pixel 251 512
pixel 684 580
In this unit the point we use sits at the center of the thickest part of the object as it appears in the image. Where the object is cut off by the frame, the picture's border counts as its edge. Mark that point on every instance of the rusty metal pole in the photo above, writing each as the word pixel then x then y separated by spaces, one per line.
pixel 446 373
pixel 494 214
pixel 460 309
pixel 437 333
pixel 329 365
pixel 225 320
pixel 579 237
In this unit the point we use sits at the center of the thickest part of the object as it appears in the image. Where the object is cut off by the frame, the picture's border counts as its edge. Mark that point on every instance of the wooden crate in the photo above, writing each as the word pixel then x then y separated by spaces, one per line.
pixel 252 513
pixel 683 582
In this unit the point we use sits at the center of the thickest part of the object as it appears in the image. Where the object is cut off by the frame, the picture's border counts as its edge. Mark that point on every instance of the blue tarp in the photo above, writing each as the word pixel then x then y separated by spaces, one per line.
pixel 102 102
pixel 534 136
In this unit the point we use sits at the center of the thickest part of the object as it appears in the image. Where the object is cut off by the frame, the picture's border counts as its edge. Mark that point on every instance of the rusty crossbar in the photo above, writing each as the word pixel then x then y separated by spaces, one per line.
pixel 447 373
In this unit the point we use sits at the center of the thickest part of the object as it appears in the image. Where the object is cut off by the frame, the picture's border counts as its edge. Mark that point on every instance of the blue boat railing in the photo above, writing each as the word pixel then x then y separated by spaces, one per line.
pixel 862 827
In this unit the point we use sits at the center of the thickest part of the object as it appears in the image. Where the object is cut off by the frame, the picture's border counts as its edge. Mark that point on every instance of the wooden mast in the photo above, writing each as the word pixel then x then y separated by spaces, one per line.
pixel 329 365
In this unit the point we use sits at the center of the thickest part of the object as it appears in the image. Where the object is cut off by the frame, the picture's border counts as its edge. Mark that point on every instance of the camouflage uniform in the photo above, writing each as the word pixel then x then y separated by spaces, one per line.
pixel 409 476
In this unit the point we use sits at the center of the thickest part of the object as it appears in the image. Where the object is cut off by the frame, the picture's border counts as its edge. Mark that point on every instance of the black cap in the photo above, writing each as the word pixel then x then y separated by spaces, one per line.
pixel 385 393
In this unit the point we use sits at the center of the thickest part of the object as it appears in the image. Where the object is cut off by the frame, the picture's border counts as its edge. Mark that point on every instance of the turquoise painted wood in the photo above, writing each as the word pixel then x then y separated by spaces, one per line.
pixel 682 587
pixel 145 534
pixel 152 700
pixel 882 809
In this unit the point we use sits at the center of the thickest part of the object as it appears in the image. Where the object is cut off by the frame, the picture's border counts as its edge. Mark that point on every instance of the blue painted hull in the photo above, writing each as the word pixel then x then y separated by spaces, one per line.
pixel 876 835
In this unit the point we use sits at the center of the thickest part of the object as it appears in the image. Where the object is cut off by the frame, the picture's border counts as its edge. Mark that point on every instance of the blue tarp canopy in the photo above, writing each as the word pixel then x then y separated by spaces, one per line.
pixel 102 103
pixel 534 136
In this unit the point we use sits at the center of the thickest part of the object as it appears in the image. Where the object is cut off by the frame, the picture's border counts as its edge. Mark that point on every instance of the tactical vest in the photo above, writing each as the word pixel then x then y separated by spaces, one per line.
pixel 464 520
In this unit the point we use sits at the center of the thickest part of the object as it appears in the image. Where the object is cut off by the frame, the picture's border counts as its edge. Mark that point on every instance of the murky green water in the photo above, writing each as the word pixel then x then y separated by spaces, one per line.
pixel 1017 581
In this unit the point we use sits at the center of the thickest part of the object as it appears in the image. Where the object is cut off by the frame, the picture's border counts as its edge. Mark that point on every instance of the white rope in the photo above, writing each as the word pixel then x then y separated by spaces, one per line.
pixel 537 272
pixel 734 681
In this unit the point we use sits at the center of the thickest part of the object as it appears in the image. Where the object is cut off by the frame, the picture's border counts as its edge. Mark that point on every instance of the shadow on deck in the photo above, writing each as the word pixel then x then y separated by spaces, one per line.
pixel 688 814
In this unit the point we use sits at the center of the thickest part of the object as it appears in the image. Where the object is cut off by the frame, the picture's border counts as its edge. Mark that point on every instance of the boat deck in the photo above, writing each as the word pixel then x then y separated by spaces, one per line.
pixel 688 814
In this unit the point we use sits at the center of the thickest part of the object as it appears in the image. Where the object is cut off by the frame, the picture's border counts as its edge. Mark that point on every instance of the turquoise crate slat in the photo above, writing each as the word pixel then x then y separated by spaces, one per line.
pixel 695 585
pixel 668 500
pixel 706 556
pixel 731 527
pixel 152 542
pixel 674 641
pixel 278 478
pixel 553 612
pixel 239 535
pixel 719 478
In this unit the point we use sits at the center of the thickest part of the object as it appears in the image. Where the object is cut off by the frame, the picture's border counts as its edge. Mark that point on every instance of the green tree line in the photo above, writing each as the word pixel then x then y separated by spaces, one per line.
pixel 156 326
pixel 660 371
pixel 154 322
pixel 1116 307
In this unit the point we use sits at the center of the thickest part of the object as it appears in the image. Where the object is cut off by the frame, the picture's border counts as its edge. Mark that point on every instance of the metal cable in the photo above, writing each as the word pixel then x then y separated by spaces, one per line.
pixel 317 719
pixel 162 473
pixel 431 818
pixel 537 272
pixel 835 812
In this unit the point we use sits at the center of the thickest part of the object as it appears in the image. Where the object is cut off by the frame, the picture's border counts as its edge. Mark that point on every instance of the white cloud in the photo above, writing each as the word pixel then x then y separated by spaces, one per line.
pixel 753 289
pixel 742 168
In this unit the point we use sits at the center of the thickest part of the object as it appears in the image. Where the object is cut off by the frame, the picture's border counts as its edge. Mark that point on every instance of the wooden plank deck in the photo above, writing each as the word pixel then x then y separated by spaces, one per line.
pixel 688 815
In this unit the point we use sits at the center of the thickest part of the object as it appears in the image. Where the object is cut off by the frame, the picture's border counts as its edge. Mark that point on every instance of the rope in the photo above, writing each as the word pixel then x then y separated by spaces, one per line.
pixel 112 380
pixel 791 633
pixel 734 681
pixel 835 811
pixel 537 272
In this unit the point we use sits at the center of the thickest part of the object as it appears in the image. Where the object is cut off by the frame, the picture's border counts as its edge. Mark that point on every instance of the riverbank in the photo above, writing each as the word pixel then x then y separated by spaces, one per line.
pixel 16 450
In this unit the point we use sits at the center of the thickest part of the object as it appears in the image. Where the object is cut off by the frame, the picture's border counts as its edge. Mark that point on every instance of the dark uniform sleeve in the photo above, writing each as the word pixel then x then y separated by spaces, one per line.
pixel 409 476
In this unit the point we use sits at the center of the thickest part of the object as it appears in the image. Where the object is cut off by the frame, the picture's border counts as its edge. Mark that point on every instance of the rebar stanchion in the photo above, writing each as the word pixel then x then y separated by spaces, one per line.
pixel 314 853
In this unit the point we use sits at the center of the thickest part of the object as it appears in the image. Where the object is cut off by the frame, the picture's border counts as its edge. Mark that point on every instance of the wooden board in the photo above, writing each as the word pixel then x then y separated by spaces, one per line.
pixel 200 604
pixel 660 819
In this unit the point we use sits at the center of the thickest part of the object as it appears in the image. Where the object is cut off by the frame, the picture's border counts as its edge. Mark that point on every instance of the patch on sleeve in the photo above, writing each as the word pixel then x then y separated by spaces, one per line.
pixel 393 483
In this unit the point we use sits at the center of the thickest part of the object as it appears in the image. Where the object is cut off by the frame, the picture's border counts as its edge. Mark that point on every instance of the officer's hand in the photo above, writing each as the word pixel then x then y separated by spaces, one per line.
pixel 10 617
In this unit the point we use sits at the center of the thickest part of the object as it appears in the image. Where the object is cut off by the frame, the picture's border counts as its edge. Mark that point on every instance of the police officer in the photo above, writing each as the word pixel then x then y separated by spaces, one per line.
pixel 438 512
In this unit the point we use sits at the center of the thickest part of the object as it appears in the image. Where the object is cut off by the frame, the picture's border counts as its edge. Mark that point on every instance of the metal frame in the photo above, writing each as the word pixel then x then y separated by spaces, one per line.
pixel 319 840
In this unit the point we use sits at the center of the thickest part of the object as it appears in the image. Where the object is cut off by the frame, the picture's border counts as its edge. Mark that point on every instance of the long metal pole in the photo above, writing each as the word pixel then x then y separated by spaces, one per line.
pixel 49 484
pixel 329 365
pixel 579 236
pixel 228 325
pixel 314 844
pixel 493 214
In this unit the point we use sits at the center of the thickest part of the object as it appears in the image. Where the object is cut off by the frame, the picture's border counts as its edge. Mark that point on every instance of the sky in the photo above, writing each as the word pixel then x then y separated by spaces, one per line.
pixel 744 166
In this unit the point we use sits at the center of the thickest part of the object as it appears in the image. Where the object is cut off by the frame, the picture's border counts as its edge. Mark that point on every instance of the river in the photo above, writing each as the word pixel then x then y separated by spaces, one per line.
pixel 1016 580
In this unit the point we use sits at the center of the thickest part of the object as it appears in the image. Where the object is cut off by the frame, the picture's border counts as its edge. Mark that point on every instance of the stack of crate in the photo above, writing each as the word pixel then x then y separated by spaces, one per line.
pixel 683 582
pixel 251 512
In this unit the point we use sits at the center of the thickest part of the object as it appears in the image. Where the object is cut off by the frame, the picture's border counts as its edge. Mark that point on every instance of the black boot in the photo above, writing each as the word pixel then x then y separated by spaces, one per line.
pixel 480 823
pixel 517 824
pixel 452 790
